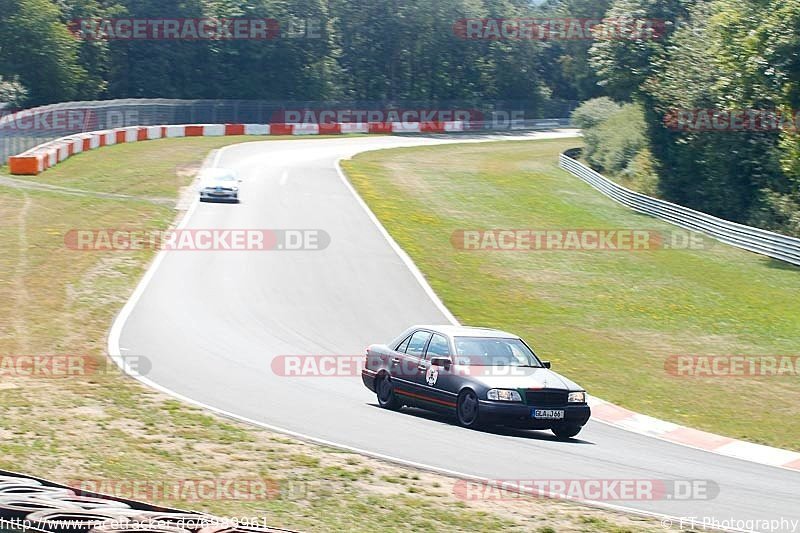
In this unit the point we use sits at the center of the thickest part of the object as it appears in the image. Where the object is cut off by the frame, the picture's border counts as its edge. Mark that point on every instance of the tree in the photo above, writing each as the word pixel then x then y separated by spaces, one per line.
pixel 624 64
pixel 36 47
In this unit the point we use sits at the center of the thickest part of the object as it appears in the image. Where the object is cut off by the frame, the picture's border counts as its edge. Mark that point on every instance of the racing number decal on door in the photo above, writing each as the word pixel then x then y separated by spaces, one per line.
pixel 432 376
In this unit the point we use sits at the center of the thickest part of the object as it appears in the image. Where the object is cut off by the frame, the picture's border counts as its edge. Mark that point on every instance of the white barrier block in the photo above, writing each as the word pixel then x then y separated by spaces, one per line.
pixel 131 134
pixel 111 137
pixel 52 155
pixel 454 125
pixel 354 127
pixel 94 141
pixel 256 129
pixel 77 145
pixel 63 152
pixel 405 127
pixel 212 130
pixel 305 129
pixel 176 131
pixel 153 132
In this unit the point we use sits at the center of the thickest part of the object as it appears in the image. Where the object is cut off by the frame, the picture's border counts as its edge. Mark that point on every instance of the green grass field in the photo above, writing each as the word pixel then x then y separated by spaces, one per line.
pixel 608 320
pixel 106 427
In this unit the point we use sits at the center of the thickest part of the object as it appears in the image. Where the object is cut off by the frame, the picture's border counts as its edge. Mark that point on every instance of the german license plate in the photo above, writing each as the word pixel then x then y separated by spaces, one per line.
pixel 548 414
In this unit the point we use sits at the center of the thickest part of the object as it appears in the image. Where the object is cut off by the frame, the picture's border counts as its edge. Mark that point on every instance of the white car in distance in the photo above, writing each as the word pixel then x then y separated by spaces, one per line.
pixel 220 184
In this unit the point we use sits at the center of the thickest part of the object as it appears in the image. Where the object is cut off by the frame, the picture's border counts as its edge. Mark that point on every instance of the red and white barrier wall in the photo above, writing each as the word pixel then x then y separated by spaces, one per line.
pixel 44 156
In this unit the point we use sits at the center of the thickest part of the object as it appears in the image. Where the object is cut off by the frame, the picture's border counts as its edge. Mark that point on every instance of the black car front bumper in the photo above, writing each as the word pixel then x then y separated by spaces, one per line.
pixel 519 414
pixel 211 195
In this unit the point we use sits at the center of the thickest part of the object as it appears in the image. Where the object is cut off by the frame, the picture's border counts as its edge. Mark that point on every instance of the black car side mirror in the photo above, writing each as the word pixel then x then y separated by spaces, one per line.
pixel 441 361
pixel 546 364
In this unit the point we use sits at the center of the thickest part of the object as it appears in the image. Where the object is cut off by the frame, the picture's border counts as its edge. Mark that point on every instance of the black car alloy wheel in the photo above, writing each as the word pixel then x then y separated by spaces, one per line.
pixel 385 392
pixel 468 409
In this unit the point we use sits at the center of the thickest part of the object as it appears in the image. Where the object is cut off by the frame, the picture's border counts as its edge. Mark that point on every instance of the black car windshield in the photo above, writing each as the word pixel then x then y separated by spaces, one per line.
pixel 486 351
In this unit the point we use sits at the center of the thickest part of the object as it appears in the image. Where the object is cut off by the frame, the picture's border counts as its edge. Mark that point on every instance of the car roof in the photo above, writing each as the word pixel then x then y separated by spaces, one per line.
pixel 468 331
pixel 216 172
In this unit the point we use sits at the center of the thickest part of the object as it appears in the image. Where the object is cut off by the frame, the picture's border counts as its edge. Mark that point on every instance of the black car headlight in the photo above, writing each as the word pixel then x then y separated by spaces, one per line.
pixel 577 397
pixel 504 395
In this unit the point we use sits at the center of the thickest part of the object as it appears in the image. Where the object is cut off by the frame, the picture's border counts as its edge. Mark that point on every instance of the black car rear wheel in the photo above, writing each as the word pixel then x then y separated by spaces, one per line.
pixel 386 396
pixel 468 410
pixel 566 432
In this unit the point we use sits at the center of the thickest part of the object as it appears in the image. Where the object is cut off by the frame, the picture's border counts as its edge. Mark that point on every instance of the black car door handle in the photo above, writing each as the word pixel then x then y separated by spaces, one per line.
pixel 422 367
pixel 396 360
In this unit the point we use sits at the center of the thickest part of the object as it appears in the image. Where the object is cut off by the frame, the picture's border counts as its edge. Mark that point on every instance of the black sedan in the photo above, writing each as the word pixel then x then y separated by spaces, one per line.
pixel 482 376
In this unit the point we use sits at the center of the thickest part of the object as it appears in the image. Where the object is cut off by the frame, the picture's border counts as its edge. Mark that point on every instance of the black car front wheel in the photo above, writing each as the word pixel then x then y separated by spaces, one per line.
pixel 566 432
pixel 468 410
pixel 386 396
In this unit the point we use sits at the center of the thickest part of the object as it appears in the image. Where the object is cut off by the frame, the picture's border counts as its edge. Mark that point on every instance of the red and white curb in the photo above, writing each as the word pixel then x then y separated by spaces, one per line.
pixel 41 157
pixel 620 417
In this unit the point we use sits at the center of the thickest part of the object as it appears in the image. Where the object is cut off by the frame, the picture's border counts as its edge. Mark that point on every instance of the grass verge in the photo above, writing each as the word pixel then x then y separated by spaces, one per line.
pixel 102 427
pixel 609 320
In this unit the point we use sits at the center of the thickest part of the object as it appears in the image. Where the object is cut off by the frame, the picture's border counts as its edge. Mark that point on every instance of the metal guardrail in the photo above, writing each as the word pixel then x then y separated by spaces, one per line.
pixel 748 238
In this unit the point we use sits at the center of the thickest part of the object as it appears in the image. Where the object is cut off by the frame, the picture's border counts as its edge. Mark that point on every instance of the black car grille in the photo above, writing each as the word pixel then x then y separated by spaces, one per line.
pixel 546 398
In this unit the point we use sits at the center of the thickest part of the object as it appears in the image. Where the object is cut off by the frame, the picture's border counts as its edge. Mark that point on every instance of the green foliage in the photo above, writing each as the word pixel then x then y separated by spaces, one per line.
pixel 349 49
pixel 623 138
pixel 12 92
pixel 623 64
pixel 614 134
pixel 592 113
pixel 36 47
pixel 569 75
pixel 716 54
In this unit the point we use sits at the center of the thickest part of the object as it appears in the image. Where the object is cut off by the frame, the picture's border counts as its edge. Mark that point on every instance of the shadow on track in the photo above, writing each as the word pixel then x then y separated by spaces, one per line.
pixel 505 431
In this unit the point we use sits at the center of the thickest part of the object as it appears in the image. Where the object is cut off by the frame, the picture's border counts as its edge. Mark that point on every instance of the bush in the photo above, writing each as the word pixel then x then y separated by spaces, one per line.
pixel 593 112
pixel 622 137
pixel 614 134
pixel 640 175
pixel 588 117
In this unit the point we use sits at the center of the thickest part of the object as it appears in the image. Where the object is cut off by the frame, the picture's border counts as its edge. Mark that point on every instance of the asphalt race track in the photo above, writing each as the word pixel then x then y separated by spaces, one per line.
pixel 212 322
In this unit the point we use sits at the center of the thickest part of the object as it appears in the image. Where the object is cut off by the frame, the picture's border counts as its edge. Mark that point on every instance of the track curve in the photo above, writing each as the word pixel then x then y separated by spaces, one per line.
pixel 212 322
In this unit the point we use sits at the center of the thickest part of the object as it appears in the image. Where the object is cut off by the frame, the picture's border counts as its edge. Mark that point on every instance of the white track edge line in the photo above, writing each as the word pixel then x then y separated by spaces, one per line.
pixel 409 263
